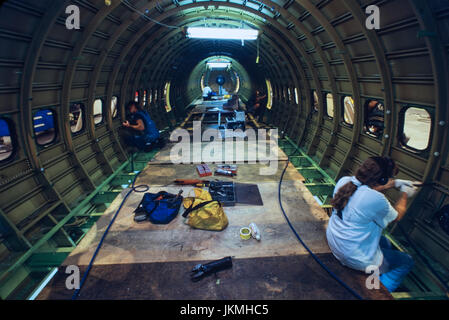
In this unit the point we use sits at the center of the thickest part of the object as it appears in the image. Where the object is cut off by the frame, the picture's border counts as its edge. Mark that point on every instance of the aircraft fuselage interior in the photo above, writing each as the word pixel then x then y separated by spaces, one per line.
pixel 224 150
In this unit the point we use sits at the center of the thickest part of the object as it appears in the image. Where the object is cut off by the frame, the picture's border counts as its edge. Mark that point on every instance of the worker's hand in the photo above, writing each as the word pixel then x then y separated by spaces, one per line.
pixel 398 183
pixel 126 124
pixel 390 184
pixel 409 190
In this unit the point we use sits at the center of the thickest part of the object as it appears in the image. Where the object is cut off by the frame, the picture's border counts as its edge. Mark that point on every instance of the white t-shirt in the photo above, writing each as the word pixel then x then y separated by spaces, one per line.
pixel 354 240
pixel 206 91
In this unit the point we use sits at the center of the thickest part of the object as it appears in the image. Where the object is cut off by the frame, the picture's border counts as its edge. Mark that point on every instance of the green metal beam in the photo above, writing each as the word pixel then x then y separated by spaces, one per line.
pixel 26 255
pixel 103 197
pixel 320 189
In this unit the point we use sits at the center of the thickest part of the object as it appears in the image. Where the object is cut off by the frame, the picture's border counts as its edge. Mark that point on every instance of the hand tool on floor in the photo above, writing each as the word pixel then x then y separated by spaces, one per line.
pixel 203 170
pixel 221 172
pixel 223 191
pixel 202 270
pixel 192 182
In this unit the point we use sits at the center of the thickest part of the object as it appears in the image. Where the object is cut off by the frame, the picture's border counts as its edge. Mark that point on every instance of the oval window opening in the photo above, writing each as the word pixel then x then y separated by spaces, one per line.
pixel 417 128
pixel 374 118
pixel 6 144
pixel 114 110
pixel 330 105
pixel 315 101
pixel 98 111
pixel 348 116
pixel 76 117
pixel 44 127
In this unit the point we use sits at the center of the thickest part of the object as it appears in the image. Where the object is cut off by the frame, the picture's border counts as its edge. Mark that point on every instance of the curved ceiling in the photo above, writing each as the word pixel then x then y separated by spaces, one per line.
pixel 305 44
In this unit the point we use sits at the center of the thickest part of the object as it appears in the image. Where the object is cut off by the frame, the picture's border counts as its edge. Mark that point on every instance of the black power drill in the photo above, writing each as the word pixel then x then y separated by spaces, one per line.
pixel 202 270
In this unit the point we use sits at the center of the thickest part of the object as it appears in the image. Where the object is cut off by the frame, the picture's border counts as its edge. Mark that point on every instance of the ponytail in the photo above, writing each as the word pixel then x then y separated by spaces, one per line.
pixel 371 173
pixel 342 196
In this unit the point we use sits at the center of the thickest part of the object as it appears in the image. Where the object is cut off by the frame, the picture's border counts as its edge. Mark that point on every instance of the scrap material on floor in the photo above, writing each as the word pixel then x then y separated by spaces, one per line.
pixel 147 261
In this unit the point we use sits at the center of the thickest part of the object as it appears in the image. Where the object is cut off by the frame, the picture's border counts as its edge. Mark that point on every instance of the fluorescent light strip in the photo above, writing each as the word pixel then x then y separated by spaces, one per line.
pixel 222 33
pixel 218 65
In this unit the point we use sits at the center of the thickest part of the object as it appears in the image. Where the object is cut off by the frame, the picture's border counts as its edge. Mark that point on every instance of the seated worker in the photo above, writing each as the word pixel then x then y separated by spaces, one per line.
pixel 207 93
pixel 360 214
pixel 141 131
pixel 374 118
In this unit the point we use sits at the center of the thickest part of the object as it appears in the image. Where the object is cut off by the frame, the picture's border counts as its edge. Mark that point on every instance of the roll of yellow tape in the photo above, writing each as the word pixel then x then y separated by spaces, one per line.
pixel 245 233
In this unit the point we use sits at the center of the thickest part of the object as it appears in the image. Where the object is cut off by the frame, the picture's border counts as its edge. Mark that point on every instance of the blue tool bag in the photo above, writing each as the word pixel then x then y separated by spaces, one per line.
pixel 159 208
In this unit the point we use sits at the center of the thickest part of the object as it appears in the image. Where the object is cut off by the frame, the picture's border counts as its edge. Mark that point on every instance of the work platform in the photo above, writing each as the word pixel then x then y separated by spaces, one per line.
pixel 147 261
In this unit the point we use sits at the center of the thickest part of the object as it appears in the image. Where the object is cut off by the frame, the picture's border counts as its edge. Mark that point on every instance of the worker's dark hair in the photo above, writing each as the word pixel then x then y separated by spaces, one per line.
pixel 372 172
pixel 132 103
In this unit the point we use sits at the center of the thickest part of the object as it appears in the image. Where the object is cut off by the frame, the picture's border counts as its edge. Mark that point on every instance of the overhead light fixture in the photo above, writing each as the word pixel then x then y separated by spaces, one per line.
pixel 222 33
pixel 218 65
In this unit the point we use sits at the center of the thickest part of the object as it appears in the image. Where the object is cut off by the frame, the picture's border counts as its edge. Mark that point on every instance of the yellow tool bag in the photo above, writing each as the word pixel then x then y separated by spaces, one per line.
pixel 203 212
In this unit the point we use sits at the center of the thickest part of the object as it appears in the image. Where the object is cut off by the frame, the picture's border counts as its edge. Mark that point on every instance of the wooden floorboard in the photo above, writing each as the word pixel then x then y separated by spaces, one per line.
pixel 268 278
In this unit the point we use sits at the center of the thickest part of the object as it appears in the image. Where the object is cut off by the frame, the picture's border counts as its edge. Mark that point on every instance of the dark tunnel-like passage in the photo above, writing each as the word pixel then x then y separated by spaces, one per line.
pixel 63 92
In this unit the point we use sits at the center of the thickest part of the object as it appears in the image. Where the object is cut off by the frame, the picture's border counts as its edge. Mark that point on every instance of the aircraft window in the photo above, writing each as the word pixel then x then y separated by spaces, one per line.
pixel 76 117
pixel 150 97
pixel 315 101
pixel 289 94
pixel 167 96
pixel 296 96
pixel 44 127
pixel 269 94
pixel 374 118
pixel 417 124
pixel 6 143
pixel 136 96
pixel 98 111
pixel 330 105
pixel 145 98
pixel 114 109
pixel 348 115
pixel 155 95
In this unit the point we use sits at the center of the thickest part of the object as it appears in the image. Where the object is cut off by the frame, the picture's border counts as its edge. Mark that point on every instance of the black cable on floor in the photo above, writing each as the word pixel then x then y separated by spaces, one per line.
pixel 133 189
pixel 333 275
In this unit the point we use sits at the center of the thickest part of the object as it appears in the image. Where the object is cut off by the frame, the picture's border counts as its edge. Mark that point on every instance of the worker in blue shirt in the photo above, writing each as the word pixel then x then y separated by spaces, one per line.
pixel 360 214
pixel 141 131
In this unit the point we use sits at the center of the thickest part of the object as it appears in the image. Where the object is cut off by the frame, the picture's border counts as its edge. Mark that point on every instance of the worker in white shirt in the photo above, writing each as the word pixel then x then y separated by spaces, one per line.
pixel 361 212
pixel 207 92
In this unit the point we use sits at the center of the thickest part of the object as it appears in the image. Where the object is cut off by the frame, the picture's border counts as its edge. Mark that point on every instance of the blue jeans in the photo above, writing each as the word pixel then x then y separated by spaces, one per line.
pixel 395 266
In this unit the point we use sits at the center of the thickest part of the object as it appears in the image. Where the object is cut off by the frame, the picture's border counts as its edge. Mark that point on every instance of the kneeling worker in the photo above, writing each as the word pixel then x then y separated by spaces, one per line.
pixel 207 93
pixel 141 130
pixel 360 214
